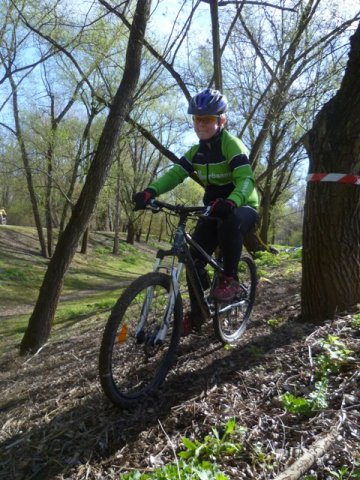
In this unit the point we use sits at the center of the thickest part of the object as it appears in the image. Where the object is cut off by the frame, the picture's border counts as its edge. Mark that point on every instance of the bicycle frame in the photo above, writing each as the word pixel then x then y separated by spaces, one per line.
pixel 180 250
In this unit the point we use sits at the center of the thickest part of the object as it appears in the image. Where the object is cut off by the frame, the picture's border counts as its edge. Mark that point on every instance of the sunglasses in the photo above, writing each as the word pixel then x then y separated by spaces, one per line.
pixel 206 119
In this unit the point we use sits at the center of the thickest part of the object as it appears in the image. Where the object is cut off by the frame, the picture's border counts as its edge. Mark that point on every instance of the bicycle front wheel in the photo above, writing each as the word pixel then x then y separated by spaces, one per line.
pixel 231 318
pixel 134 356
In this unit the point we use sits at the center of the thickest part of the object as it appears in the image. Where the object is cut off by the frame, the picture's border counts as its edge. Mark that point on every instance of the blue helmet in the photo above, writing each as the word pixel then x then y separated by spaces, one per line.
pixel 208 102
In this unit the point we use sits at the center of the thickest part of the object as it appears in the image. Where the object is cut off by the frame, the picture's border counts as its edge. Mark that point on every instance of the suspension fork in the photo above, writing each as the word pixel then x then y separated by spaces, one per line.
pixel 174 291
pixel 148 300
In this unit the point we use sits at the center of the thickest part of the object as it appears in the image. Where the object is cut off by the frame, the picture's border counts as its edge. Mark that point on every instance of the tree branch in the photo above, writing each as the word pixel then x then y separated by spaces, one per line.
pixel 163 150
pixel 159 57
pixel 309 457
pixel 249 2
pixel 64 50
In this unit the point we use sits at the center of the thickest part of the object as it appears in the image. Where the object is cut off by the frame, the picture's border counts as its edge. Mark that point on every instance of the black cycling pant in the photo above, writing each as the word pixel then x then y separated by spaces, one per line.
pixel 227 234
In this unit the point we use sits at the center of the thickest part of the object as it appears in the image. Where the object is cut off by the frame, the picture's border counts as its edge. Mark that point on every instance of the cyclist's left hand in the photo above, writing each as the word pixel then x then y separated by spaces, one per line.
pixel 141 199
pixel 222 208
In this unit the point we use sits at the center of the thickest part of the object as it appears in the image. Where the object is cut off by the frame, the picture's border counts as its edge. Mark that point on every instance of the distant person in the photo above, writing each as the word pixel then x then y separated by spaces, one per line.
pixel 221 162
pixel 2 216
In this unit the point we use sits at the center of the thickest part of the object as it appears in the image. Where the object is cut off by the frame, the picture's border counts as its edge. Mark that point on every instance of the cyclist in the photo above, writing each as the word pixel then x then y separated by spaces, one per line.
pixel 221 162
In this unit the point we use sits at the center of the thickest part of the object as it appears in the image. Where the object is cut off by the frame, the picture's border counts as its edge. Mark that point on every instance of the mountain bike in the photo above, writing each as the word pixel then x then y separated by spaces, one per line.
pixel 144 329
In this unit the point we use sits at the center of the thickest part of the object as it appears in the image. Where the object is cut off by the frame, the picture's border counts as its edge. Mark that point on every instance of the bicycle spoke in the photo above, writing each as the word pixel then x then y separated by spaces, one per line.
pixel 134 357
pixel 232 318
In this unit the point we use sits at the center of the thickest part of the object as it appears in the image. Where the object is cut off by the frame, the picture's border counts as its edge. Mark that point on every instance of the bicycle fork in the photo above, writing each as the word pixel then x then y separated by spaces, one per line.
pixel 162 329
pixel 174 291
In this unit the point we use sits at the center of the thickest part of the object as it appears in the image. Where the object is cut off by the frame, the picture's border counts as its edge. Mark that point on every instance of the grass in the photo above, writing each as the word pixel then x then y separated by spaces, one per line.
pixel 92 283
pixel 288 260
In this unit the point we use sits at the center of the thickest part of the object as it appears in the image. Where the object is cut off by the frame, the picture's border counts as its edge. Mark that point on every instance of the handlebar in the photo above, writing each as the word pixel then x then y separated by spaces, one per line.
pixel 157 206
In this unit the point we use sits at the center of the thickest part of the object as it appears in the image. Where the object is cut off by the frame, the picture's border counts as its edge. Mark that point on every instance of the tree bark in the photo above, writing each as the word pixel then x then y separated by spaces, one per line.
pixel 216 44
pixel 331 233
pixel 309 457
pixel 42 317
pixel 117 211
pixel 49 177
pixel 85 242
pixel 130 238
pixel 149 229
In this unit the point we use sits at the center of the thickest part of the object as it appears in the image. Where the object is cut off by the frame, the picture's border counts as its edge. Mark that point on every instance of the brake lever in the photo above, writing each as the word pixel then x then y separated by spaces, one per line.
pixel 152 206
pixel 206 213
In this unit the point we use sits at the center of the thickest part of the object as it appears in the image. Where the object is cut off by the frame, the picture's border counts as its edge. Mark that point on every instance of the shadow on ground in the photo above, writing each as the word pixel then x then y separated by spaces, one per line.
pixel 76 425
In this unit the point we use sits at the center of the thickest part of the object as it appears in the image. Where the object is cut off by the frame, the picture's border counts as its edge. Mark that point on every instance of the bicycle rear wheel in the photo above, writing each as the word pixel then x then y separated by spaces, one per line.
pixel 132 363
pixel 231 319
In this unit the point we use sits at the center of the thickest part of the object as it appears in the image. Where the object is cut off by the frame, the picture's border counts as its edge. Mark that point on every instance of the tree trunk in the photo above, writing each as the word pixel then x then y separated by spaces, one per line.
pixel 27 168
pixel 117 211
pixel 85 242
pixel 49 178
pixel 130 238
pixel 41 320
pixel 149 229
pixel 266 209
pixel 161 229
pixel 331 235
pixel 214 10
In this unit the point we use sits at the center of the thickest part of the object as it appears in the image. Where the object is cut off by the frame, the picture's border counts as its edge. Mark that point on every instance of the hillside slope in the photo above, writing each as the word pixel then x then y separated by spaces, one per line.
pixel 92 282
pixel 57 424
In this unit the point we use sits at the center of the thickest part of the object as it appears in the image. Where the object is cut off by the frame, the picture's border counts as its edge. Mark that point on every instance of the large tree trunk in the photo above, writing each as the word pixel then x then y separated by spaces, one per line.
pixel 40 321
pixel 331 255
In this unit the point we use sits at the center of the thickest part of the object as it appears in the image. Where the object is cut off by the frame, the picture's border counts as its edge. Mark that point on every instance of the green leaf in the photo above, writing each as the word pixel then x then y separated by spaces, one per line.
pixel 189 443
pixel 230 426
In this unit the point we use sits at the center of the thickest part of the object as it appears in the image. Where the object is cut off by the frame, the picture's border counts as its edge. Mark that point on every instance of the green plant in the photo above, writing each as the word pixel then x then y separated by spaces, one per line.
pixel 262 458
pixel 355 323
pixel 194 463
pixel 294 404
pixel 214 446
pixel 307 406
pixel 335 357
pixel 341 474
pixel 180 471
pixel 355 474
pixel 289 259
pixel 317 398
pixel 275 322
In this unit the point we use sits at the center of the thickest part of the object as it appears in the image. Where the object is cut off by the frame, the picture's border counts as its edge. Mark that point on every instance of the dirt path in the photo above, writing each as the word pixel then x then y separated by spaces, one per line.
pixel 10 311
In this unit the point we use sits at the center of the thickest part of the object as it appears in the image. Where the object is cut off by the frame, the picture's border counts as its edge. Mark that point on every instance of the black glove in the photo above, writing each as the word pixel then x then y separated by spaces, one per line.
pixel 141 199
pixel 222 208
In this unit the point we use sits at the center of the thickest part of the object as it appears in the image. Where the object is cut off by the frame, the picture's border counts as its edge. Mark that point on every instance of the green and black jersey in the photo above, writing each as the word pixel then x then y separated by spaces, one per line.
pixel 221 164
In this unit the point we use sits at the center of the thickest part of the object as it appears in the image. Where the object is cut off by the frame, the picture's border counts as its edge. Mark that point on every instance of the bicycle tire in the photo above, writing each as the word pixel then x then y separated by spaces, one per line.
pixel 131 367
pixel 231 319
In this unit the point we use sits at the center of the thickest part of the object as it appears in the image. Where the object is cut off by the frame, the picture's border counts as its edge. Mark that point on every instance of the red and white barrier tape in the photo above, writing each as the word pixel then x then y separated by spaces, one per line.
pixel 334 177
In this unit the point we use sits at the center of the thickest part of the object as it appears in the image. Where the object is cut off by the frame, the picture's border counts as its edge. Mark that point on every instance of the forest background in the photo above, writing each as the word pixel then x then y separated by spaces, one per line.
pixel 69 75
pixel 94 71
pixel 61 64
